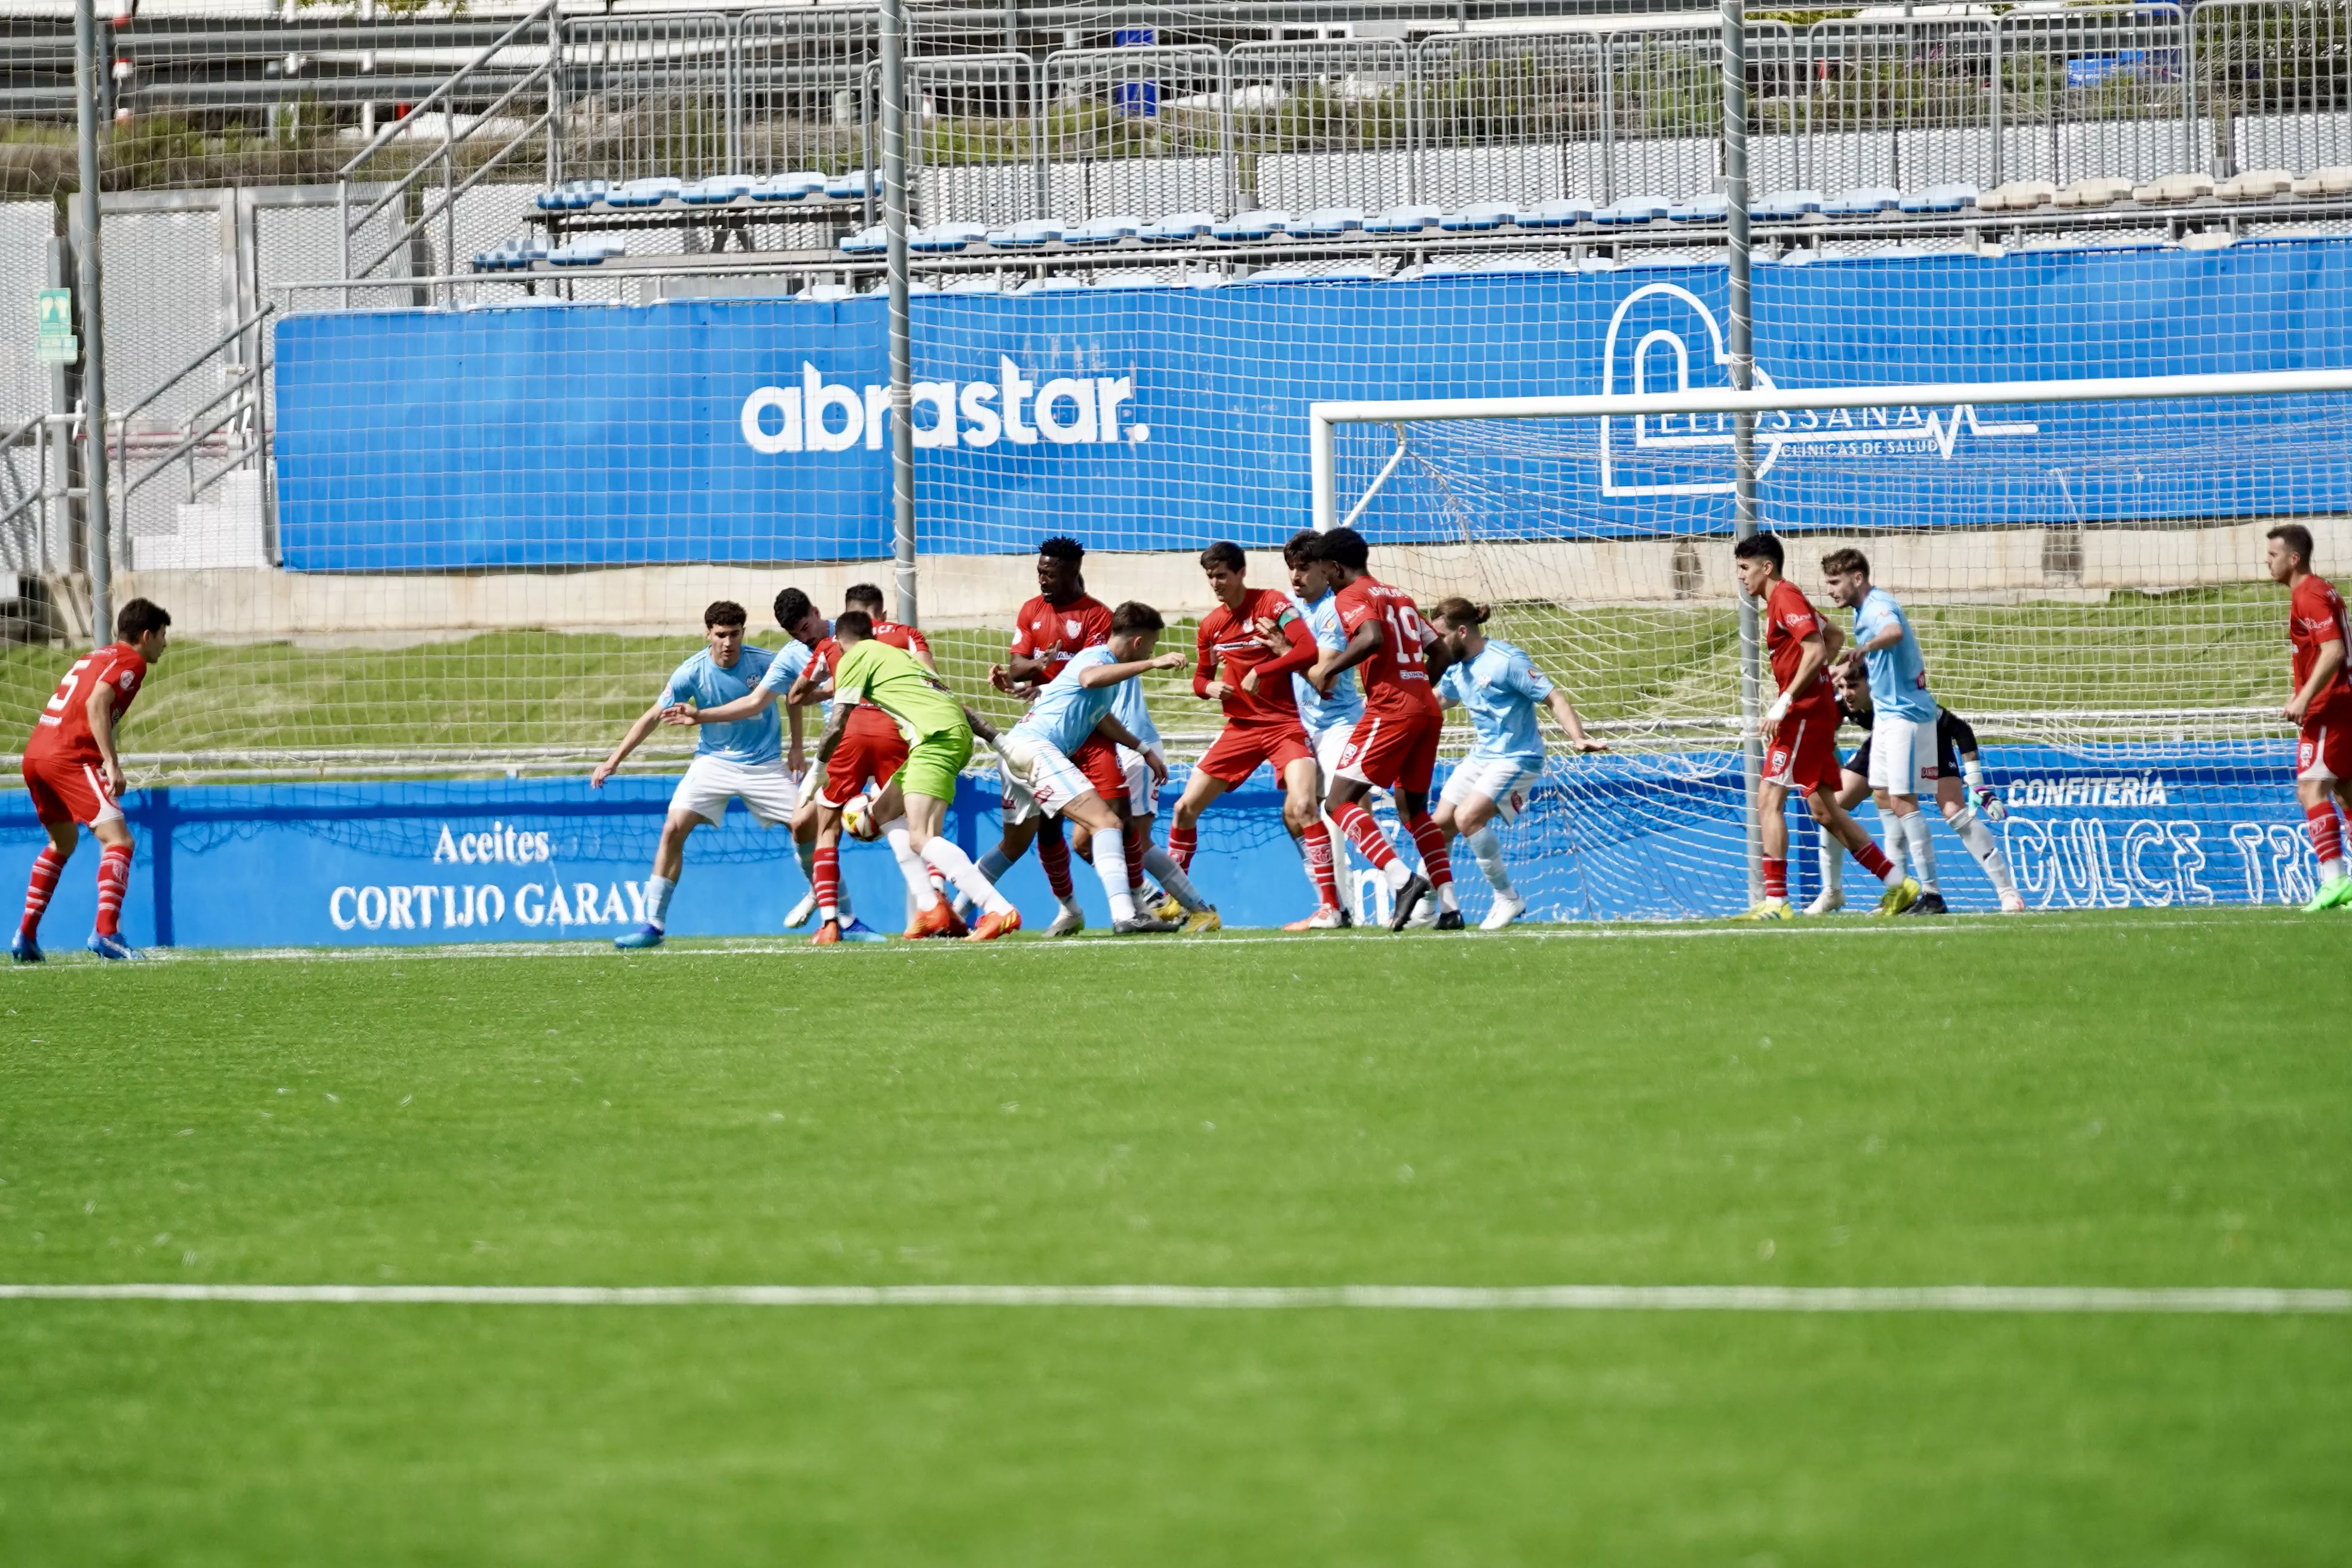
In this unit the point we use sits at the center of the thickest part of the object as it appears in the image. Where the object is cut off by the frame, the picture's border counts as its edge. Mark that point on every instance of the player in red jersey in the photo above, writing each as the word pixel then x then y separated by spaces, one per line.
pixel 1394 743
pixel 1063 619
pixel 1800 729
pixel 75 775
pixel 2322 705
pixel 1249 646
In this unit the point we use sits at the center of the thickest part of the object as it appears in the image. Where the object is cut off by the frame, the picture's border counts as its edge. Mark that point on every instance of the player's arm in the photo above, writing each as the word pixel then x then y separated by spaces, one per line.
pixel 645 726
pixel 1571 723
pixel 2324 669
pixel 1813 657
pixel 1364 642
pixel 979 726
pixel 744 707
pixel 832 729
pixel 1096 677
pixel 1298 651
pixel 921 647
pixel 1885 636
pixel 1205 684
pixel 99 706
pixel 796 759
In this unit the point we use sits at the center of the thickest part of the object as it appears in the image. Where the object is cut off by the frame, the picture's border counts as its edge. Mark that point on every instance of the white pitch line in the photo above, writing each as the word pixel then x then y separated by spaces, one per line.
pixel 2232 1302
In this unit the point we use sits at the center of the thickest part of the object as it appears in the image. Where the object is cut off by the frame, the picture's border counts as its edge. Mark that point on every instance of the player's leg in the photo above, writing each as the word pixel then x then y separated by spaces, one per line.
pixel 1370 758
pixel 1960 814
pixel 669 864
pixel 1772 817
pixel 803 831
pixel 1302 813
pixel 2319 769
pixel 826 882
pixel 1088 810
pixel 1182 903
pixel 1848 788
pixel 1203 786
pixel 56 819
pixel 932 914
pixel 1330 742
pixel 1473 800
pixel 1894 785
pixel 927 784
pixel 1416 770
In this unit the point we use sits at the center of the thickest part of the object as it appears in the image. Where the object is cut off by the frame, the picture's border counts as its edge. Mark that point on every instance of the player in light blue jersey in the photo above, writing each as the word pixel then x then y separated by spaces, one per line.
pixel 1145 768
pixel 1069 710
pixel 742 759
pixel 1504 692
pixel 1328 721
pixel 1903 749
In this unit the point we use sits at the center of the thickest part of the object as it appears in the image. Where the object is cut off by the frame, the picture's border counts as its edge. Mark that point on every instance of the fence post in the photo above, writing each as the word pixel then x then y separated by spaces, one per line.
pixel 1742 347
pixel 89 280
pixel 894 219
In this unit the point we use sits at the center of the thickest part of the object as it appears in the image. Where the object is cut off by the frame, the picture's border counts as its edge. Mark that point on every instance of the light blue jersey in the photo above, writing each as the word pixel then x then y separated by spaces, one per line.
pixel 1127 706
pixel 791 661
pixel 700 681
pixel 1065 713
pixel 1502 690
pixel 1346 704
pixel 1899 675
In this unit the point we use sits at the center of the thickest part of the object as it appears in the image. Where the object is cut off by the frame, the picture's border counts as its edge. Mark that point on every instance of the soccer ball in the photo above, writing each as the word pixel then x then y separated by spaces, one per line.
pixel 857 820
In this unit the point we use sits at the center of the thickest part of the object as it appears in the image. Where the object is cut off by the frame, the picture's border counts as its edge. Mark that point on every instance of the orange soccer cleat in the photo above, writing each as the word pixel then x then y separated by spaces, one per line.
pixel 827 934
pixel 956 928
pixel 937 921
pixel 990 927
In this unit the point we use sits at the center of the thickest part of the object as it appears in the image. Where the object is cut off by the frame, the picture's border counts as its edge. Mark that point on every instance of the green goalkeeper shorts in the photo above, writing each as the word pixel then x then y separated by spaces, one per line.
pixel 933 763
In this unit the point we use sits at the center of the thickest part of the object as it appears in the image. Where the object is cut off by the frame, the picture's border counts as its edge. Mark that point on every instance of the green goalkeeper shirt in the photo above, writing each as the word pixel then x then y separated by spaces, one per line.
pixel 894 682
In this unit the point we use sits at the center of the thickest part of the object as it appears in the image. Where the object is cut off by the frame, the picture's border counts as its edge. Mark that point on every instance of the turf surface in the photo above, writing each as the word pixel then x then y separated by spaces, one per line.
pixel 2138 1099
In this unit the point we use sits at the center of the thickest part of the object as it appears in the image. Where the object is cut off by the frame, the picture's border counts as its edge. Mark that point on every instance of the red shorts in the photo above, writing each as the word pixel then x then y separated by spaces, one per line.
pixel 1098 760
pixel 860 757
pixel 1392 751
pixel 1803 755
pixel 2325 750
pixel 1238 750
pixel 65 791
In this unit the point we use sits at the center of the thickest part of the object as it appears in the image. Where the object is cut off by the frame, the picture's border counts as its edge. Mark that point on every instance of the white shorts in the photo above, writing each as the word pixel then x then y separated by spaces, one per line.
pixel 1053 782
pixel 1903 756
pixel 1142 795
pixel 1330 743
pixel 1503 780
pixel 712 782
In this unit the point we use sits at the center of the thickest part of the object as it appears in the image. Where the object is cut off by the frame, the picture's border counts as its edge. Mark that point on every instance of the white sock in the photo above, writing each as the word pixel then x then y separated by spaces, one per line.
pixel 1170 877
pixel 1987 849
pixel 1833 861
pixel 1890 840
pixel 942 855
pixel 804 851
pixel 1922 839
pixel 1445 899
pixel 1110 865
pixel 657 892
pixel 1398 874
pixel 2330 871
pixel 1486 845
pixel 910 865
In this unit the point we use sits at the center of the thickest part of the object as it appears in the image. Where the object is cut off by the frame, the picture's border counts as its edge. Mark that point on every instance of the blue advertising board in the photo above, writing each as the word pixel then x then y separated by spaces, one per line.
pixel 524 860
pixel 753 430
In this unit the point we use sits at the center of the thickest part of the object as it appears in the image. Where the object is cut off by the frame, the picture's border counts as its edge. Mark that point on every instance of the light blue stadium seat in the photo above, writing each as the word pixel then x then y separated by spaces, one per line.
pixel 1253 225
pixel 1478 218
pixel 1328 223
pixel 1633 209
pixel 718 190
pixel 945 239
pixel 1565 211
pixel 1403 220
pixel 1950 198
pixel 1029 232
pixel 1176 228
pixel 871 241
pixel 1862 201
pixel 1782 207
pixel 1103 231
pixel 798 185
pixel 846 187
pixel 1700 209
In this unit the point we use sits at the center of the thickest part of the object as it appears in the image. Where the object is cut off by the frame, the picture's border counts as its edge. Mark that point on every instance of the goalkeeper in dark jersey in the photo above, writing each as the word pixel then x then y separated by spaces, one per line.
pixel 1967 800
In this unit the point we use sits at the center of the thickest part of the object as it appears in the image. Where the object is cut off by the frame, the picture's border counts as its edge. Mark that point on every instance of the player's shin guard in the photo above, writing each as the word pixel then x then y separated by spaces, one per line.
pixel 949 861
pixel 1921 838
pixel 1110 865
pixel 910 865
pixel 1136 837
pixel 1181 843
pixel 48 867
pixel 113 881
pixel 1893 844
pixel 1172 877
pixel 1436 864
pixel 1985 847
pixel 1314 848
pixel 1486 847
pixel 657 893
pixel 1054 855
pixel 1365 834
pixel 826 881
pixel 1776 878
pixel 2326 839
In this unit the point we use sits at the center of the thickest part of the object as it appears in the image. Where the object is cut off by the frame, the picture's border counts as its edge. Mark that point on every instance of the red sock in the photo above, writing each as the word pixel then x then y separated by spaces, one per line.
pixel 1136 841
pixel 825 881
pixel 1874 861
pixel 1776 877
pixel 1182 842
pixel 113 880
pixel 1365 835
pixel 1317 839
pixel 2327 833
pixel 1436 863
pixel 48 867
pixel 1054 855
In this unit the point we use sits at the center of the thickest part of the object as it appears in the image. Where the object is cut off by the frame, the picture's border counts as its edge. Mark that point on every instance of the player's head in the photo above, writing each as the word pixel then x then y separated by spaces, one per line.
pixel 1225 564
pixel 2288 554
pixel 1299 556
pixel 1757 559
pixel 1852 683
pixel 852 627
pixel 1135 629
pixel 1459 625
pixel 1344 551
pixel 1059 577
pixel 1847 574
pixel 140 624
pixel 722 628
pixel 798 616
pixel 864 596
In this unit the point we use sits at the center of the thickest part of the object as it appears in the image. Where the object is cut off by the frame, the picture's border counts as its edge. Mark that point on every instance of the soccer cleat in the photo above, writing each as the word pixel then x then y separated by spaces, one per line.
pixel 2336 894
pixel 1771 909
pixel 1143 925
pixel 1408 899
pixel 1070 921
pixel 1828 902
pixel 1928 904
pixel 827 935
pixel 25 950
pixel 1898 897
pixel 1199 923
pixel 2012 904
pixel 990 927
pixel 937 921
pixel 856 930
pixel 643 936
pixel 802 912
pixel 1330 916
pixel 110 947
pixel 1449 919
pixel 1509 907
pixel 1168 906
pixel 956 928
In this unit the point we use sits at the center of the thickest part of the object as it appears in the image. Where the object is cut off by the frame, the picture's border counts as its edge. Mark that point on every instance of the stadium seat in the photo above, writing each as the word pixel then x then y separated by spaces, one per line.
pixel 2333 181
pixel 1176 228
pixel 870 241
pixel 798 185
pixel 945 239
pixel 2255 185
pixel 648 193
pixel 1700 209
pixel 584 253
pixel 1251 225
pixel 1104 231
pixel 1029 233
pixel 2018 195
pixel 1862 201
pixel 1403 220
pixel 2174 188
pixel 570 196
pixel 718 189
pixel 2208 239
pixel 1566 212
pixel 1633 209
pixel 1479 217
pixel 1949 198
pixel 2097 192
pixel 1781 206
pixel 1328 223
pixel 846 187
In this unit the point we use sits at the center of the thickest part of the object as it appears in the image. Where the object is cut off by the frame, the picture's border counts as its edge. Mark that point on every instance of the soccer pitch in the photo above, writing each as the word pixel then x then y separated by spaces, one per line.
pixel 2146 1100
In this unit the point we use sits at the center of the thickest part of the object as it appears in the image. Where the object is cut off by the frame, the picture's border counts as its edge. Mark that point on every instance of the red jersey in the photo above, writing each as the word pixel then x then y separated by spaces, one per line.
pixel 2315 616
pixel 1789 620
pixel 1229 648
pixel 1054 631
pixel 1395 680
pixel 865 719
pixel 62 732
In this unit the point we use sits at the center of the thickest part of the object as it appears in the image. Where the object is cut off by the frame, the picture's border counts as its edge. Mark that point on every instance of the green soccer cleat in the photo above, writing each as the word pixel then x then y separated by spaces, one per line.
pixel 1898 897
pixel 2334 895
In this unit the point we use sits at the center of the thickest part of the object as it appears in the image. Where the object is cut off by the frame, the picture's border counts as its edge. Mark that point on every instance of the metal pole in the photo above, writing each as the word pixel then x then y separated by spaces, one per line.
pixel 902 347
pixel 88 278
pixel 1743 423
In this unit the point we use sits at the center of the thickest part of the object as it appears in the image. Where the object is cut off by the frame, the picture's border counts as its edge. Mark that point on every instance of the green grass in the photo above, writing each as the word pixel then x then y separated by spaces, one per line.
pixel 2137 1100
